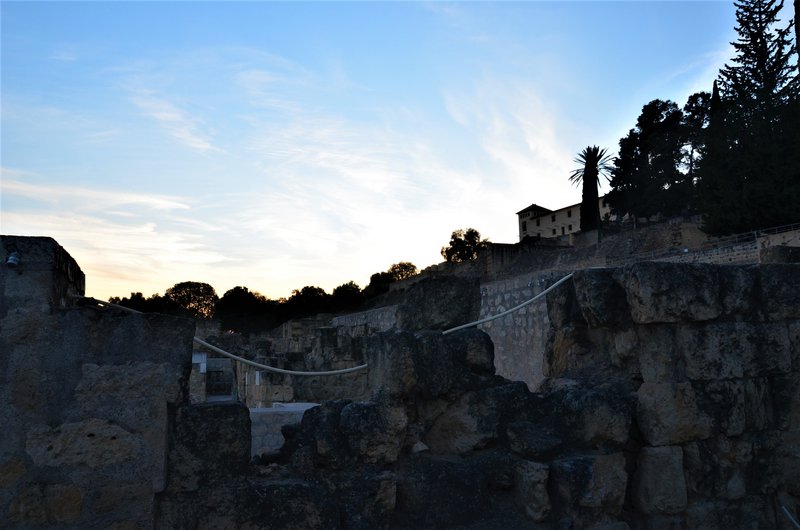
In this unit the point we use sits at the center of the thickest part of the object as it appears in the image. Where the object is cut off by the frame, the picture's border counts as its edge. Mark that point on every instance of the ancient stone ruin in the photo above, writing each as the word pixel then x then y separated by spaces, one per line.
pixel 669 398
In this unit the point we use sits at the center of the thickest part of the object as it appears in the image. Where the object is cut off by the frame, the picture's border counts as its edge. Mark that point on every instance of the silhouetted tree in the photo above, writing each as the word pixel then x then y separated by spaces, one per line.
pixel 243 311
pixel 154 304
pixel 196 299
pixel 593 163
pixel 464 246
pixel 646 179
pixel 750 176
pixel 347 297
pixel 309 300
pixel 402 270
pixel 696 115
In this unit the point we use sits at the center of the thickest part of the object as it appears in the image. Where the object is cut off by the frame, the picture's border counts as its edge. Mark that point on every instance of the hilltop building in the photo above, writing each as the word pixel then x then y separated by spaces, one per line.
pixel 537 221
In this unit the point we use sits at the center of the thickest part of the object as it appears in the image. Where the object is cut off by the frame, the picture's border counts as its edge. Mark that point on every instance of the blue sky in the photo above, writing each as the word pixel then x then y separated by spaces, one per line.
pixel 277 145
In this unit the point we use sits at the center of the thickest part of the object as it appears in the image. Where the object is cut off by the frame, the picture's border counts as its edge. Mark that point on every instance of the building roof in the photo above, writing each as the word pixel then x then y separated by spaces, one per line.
pixel 536 209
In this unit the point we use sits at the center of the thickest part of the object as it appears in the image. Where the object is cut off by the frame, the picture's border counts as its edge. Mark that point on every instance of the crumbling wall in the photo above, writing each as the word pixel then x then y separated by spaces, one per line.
pixel 86 397
pixel 713 353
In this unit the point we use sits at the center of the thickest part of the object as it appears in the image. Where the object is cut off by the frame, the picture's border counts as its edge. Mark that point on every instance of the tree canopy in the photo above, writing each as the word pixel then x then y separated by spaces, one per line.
pixel 750 175
pixel 196 299
pixel 464 246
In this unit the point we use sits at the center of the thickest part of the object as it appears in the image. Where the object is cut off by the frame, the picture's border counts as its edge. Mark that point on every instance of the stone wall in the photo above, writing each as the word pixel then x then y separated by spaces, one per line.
pixel 713 354
pixel 86 399
pixel 519 338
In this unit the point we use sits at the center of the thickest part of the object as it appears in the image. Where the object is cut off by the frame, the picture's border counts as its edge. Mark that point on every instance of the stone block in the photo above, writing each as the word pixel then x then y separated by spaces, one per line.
pixel 660 360
pixel 667 292
pixel 601 299
pixel 780 291
pixel 659 486
pixel 530 482
pixel 728 350
pixel 93 443
pixel 668 414
pixel 591 483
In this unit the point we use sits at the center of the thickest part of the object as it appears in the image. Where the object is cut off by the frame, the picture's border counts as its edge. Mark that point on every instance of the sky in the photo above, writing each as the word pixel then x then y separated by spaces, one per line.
pixel 275 145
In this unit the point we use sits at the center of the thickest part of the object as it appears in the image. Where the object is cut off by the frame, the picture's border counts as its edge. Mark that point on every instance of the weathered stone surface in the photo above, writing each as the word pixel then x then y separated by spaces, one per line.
pixel 658 485
pixel 439 303
pixel 374 431
pixel 668 414
pixel 750 512
pixel 587 486
pixel 734 349
pixel 530 480
pixel 435 492
pixel 779 292
pixel 718 467
pixel 93 443
pixel 664 292
pixel 660 360
pixel 531 440
pixel 53 504
pixel 475 420
pixel 593 415
pixel 601 299
pixel 211 442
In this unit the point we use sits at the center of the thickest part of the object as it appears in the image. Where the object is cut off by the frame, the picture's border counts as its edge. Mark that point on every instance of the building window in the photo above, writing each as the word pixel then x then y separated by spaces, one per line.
pixel 554 231
pixel 524 226
pixel 538 222
pixel 553 218
pixel 569 213
pixel 562 231
pixel 570 228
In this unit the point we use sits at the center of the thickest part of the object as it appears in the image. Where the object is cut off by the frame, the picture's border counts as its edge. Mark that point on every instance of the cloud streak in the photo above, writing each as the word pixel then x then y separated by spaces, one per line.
pixel 177 122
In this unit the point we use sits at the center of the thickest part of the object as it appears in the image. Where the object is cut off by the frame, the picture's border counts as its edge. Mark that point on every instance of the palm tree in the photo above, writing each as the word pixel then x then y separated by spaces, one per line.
pixel 594 162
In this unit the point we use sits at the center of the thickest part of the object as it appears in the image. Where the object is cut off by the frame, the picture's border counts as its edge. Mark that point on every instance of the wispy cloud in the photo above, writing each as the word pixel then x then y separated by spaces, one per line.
pixel 88 198
pixel 177 122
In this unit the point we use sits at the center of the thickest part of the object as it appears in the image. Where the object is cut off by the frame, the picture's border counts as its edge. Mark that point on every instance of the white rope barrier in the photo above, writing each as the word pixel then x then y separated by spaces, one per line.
pixel 272 368
pixel 515 308
pixel 789 515
pixel 236 357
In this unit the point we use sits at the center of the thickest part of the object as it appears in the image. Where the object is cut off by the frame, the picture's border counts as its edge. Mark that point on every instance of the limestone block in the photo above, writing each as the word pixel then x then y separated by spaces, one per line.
pixel 474 420
pixel 749 512
pixel 780 291
pixel 668 414
pixel 725 403
pixel 601 299
pixel 659 359
pixel 56 504
pixel 794 341
pixel 728 350
pixel 786 400
pixel 10 471
pixel 530 481
pixel 594 415
pixel 374 432
pixel 666 292
pixel 589 485
pixel 532 441
pixel 759 402
pixel 659 486
pixel 93 442
pixel 738 292
pixel 719 467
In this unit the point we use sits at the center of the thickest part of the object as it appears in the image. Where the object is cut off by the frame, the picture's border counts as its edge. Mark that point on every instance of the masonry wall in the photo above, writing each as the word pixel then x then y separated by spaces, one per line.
pixel 86 397
pixel 519 338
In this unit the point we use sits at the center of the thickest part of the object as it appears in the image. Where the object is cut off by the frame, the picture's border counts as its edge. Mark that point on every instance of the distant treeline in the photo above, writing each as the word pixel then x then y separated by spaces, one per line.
pixel 245 311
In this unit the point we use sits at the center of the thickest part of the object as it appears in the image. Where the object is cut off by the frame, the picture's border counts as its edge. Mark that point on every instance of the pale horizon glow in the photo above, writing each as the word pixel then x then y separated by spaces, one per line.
pixel 276 145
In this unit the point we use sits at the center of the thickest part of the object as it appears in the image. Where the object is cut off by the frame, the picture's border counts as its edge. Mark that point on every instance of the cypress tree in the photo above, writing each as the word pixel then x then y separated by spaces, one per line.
pixel 750 176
